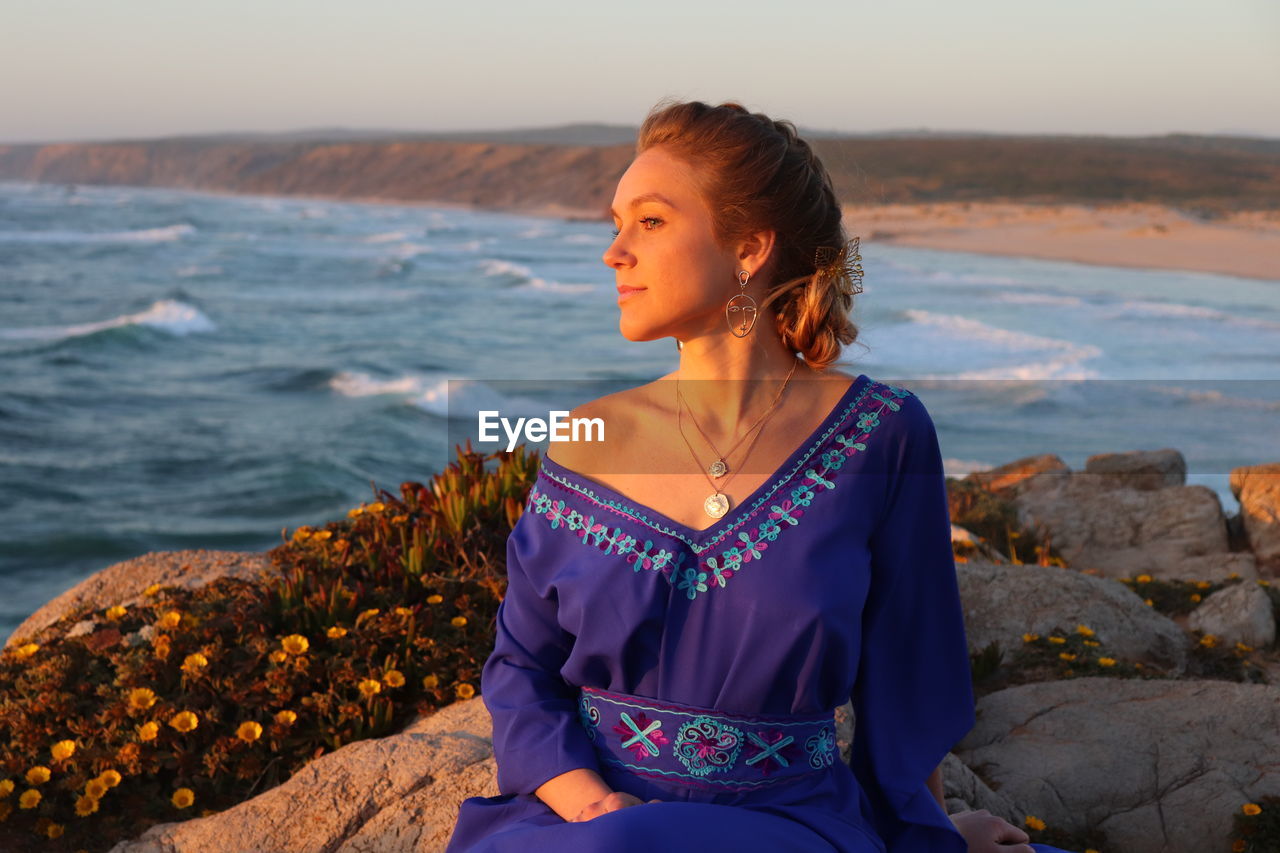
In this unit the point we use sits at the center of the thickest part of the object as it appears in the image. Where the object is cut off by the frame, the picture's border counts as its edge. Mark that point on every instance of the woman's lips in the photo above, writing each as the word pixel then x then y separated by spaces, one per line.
pixel 625 293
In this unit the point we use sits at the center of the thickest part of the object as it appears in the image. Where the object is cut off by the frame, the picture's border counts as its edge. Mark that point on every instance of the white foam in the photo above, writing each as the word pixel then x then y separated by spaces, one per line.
pixel 169 315
pixel 197 270
pixel 388 237
pixel 163 234
pixel 497 267
pixel 960 468
pixel 457 399
pixel 1037 299
pixel 986 351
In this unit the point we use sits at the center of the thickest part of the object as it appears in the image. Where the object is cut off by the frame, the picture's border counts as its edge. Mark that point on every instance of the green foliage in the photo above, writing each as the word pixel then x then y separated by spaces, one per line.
pixel 194 701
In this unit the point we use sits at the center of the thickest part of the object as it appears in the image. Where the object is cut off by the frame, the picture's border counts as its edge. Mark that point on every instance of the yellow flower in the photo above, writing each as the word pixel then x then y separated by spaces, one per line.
pixel 435 599
pixel 295 644
pixel 38 775
pixel 458 621
pixel 95 788
pixel 1084 629
pixel 1137 666
pixel 1209 641
pixel 151 590
pixel 111 777
pixel 25 651
pixel 465 691
pixel 1107 661
pixel 54 830
pixel 322 534
pixel 86 805
pixel 1066 656
pixel 249 731
pixel 336 632
pixel 1234 576
pixel 369 614
pixel 301 533
pixel 1262 582
pixel 194 662
pixel 1150 603
pixel 369 687
pixel 141 698
pixel 6 787
pixel 63 750
pixel 375 507
pixel 1058 640
pixel 1242 647
pixel 286 717
pixel 431 682
pixel 170 620
pixel 1030 638
pixel 30 799
pixel 400 519
pixel 184 721
pixel 1203 585
pixel 393 678
pixel 1034 822
pixel 1144 578
pixel 403 611
pixel 148 731
pixel 1091 643
pixel 1251 809
pixel 1195 596
pixel 354 512
pixel 183 797
pixel 117 612
pixel 277 656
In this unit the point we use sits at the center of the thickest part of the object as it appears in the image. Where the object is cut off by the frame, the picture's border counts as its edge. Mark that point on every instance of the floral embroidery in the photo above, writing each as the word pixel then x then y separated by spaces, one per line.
pixel 717 564
pixel 705 745
pixel 821 748
pixel 589 716
pixel 771 750
pixel 641 735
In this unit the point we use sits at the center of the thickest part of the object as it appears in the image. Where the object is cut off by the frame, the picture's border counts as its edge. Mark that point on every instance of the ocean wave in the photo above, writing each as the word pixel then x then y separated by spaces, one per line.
pixel 498 268
pixel 1146 309
pixel 168 315
pixel 1035 356
pixel 1037 299
pixel 195 270
pixel 1216 398
pixel 443 397
pixel 162 234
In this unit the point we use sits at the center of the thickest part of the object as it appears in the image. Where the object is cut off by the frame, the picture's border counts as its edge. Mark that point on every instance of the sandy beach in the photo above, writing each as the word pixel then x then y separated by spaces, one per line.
pixel 1245 244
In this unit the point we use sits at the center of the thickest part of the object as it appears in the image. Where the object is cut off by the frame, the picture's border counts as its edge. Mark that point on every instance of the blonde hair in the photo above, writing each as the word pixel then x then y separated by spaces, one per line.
pixel 758 174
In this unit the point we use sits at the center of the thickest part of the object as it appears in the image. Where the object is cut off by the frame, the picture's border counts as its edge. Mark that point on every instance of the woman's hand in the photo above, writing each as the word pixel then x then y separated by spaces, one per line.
pixel 611 803
pixel 986 833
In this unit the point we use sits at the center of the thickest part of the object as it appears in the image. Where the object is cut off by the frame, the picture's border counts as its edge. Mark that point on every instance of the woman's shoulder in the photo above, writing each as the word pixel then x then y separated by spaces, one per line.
pixel 622 413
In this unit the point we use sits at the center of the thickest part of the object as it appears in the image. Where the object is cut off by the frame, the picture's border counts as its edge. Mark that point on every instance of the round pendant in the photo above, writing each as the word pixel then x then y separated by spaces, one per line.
pixel 716 505
pixel 718 468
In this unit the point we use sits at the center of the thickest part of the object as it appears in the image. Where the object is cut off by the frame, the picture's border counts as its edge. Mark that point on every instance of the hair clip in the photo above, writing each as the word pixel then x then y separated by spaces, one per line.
pixel 843 263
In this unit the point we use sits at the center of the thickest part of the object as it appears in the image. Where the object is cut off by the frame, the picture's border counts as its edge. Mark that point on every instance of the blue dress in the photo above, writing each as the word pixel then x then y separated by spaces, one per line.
pixel 833 581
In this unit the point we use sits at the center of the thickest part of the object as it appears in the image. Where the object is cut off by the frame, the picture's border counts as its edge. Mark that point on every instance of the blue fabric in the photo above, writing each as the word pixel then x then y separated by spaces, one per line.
pixel 834 580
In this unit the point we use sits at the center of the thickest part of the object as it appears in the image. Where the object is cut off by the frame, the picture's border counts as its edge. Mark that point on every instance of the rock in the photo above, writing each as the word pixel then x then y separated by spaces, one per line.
pixel 397 794
pixel 1145 470
pixel 1008 480
pixel 123 583
pixel 1239 613
pixel 1177 532
pixel 1158 765
pixel 1257 487
pixel 1002 602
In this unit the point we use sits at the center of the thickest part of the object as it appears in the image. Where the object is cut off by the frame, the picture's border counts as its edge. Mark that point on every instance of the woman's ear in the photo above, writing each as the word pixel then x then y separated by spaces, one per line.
pixel 756 249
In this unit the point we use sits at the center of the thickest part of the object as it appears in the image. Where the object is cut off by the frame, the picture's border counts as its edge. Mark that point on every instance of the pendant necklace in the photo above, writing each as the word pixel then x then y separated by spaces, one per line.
pixel 720 466
pixel 717 503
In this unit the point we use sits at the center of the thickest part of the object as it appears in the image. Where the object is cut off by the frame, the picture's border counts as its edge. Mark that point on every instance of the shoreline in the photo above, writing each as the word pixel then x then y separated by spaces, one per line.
pixel 1135 235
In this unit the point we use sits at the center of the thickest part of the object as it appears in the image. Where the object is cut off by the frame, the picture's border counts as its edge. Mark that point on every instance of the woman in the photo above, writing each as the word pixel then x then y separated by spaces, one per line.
pixel 681 622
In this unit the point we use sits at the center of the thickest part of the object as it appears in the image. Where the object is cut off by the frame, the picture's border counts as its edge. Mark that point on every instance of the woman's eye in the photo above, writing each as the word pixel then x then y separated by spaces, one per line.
pixel 655 219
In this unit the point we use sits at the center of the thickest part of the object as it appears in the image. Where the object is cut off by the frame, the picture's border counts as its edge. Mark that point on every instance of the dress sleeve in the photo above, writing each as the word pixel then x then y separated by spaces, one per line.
pixel 536 733
pixel 913 696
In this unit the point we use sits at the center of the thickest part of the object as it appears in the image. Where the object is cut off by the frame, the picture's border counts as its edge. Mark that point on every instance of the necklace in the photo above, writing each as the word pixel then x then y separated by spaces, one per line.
pixel 717 503
pixel 720 466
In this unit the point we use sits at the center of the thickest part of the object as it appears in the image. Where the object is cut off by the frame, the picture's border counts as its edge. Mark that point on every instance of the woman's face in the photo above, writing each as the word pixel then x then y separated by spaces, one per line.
pixel 665 249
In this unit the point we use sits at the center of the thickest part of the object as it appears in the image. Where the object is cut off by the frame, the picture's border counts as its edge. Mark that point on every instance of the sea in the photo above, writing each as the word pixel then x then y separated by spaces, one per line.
pixel 185 369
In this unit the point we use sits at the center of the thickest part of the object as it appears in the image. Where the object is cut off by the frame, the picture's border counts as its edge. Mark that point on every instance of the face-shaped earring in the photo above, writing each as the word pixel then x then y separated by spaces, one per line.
pixel 740 310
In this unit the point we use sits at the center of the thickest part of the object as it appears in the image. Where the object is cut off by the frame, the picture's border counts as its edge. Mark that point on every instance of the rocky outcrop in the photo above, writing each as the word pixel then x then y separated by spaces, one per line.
pixel 123 583
pixel 1158 765
pixel 1002 602
pixel 1257 487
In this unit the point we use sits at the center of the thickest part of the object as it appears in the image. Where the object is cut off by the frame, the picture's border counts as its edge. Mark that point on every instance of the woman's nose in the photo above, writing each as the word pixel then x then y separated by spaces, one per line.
pixel 616 255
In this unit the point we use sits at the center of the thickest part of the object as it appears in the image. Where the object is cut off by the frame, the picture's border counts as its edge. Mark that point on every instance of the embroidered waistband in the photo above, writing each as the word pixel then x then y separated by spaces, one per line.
pixel 703 748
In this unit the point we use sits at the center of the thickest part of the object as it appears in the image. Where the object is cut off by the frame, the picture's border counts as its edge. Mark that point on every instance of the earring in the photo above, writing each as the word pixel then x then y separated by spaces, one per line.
pixel 743 306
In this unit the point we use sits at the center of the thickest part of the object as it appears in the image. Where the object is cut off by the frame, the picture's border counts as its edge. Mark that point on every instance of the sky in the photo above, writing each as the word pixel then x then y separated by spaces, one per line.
pixel 82 70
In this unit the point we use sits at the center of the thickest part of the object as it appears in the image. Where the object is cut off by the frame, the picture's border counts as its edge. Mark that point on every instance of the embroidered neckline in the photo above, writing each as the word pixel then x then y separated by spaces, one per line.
pixel 748 546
